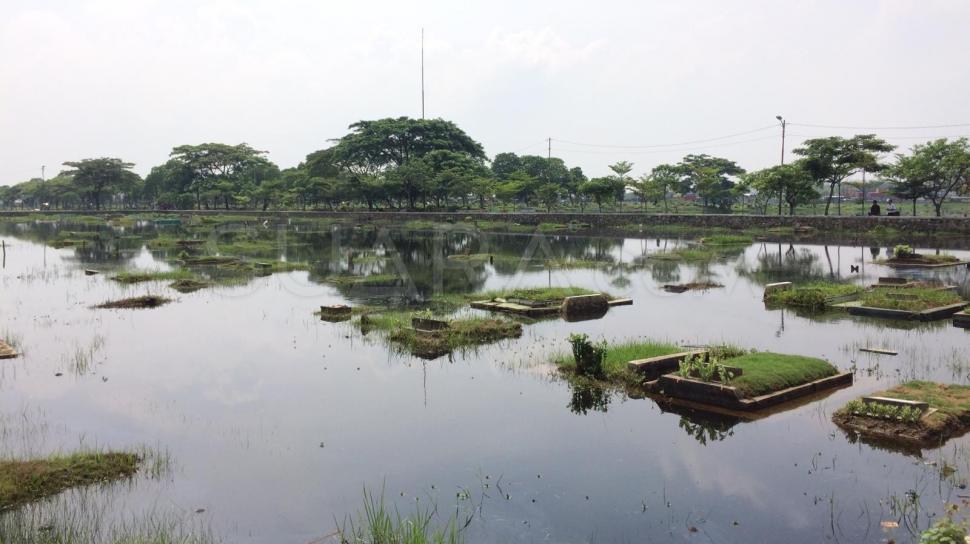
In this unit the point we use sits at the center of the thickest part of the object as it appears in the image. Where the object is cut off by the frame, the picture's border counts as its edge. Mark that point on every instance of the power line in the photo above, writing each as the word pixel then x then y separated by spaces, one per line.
pixel 914 127
pixel 656 151
pixel 752 131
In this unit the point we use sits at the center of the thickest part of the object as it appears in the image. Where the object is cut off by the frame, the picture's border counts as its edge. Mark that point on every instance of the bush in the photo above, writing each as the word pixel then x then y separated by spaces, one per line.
pixel 903 250
pixel 588 356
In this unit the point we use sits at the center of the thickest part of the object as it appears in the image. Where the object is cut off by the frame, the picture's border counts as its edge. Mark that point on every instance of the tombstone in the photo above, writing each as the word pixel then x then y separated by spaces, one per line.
pixel 584 307
pixel 773 287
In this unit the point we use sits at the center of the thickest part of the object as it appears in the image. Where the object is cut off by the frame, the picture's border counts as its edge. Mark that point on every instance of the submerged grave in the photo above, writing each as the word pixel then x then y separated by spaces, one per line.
pixel 722 376
pixel 571 303
pixel 892 298
pixel 917 412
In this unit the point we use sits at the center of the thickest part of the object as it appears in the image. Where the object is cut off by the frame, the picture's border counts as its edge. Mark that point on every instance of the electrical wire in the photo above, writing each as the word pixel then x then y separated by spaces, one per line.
pixel 956 125
pixel 691 142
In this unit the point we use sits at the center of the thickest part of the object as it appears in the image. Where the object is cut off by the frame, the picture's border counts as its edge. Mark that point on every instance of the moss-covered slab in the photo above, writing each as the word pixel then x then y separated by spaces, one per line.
pixel 947 416
pixel 921 261
pixel 7 351
pixel 148 301
pixel 931 314
pixel 766 379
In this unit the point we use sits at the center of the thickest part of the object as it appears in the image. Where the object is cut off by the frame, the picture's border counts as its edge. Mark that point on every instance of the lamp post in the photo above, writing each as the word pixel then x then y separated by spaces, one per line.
pixel 783 123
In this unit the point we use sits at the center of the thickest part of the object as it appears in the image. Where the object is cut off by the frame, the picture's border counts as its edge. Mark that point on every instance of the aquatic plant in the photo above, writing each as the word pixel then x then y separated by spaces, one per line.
pixel 906 414
pixel 588 356
pixel 706 369
pixel 378 525
pixel 903 250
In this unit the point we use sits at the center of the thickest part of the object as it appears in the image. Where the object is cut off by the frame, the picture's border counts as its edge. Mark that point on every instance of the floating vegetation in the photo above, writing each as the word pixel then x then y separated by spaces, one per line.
pixel 189 285
pixel 158 275
pixel 377 525
pixel 147 301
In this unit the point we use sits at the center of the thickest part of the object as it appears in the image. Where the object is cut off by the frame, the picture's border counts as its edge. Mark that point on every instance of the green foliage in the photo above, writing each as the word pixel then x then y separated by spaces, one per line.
pixel 704 368
pixel 95 176
pixel 944 531
pixel 933 170
pixel 906 414
pixel 588 356
pixel 831 160
pixel 903 250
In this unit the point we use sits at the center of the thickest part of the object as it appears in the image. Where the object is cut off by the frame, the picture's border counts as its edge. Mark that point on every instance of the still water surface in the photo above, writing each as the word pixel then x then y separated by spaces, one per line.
pixel 277 421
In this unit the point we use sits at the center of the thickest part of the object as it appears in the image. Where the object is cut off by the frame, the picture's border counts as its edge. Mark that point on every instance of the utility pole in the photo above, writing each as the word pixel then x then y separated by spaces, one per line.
pixel 422 73
pixel 549 153
pixel 42 168
pixel 783 123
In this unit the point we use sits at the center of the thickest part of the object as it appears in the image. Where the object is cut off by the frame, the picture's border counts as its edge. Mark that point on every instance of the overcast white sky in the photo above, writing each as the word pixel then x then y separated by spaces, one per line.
pixel 132 79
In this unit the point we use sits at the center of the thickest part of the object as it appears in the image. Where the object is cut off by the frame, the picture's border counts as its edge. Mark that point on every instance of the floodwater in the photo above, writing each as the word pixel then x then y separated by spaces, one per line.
pixel 275 421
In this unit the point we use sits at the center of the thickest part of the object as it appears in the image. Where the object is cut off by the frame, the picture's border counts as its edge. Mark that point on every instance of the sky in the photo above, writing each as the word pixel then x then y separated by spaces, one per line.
pixel 645 81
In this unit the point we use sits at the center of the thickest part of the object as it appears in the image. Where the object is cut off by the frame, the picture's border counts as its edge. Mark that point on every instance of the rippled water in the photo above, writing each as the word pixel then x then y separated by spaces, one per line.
pixel 276 421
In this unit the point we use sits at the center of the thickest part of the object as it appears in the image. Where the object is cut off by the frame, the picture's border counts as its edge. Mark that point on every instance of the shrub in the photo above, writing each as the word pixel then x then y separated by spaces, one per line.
pixel 588 356
pixel 706 370
pixel 903 250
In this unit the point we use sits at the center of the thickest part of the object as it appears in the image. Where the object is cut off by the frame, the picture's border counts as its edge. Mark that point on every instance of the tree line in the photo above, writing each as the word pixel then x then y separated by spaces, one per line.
pixel 403 163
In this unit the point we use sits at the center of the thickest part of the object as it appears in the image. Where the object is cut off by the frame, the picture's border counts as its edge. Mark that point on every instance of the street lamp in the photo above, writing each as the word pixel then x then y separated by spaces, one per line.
pixel 783 123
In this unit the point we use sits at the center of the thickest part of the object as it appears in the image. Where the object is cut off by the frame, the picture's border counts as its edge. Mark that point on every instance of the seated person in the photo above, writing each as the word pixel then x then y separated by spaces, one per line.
pixel 891 209
pixel 875 209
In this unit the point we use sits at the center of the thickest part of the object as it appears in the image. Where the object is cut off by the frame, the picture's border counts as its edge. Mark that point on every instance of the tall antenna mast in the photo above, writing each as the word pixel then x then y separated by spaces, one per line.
pixel 422 72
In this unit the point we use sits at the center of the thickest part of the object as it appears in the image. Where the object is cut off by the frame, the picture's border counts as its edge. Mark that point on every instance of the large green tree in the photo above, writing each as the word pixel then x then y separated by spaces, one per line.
pixel 831 160
pixel 93 177
pixel 933 170
pixel 711 178
pixel 223 170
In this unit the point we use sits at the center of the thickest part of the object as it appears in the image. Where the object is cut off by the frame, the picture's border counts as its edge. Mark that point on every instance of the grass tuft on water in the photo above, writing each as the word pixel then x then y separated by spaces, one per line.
pixel 378 525
pixel 147 301
pixel 766 372
pixel 27 481
pixel 158 275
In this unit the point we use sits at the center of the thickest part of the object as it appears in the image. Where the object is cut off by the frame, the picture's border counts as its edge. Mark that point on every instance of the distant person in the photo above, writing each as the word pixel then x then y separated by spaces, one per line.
pixel 891 209
pixel 874 209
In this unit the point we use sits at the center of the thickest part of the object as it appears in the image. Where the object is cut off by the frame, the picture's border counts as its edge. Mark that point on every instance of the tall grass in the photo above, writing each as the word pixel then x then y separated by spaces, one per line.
pixel 379 525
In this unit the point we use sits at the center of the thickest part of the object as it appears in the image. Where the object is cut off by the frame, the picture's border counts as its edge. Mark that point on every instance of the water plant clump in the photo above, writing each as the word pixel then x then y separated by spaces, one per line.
pixel 707 369
pixel 588 356
pixel 727 239
pixel 378 525
pixel 147 301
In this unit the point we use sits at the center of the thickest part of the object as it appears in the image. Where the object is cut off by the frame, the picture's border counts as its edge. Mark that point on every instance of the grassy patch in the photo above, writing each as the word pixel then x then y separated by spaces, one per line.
pixel 618 355
pixel 147 301
pixel 727 240
pixel 687 254
pixel 812 295
pixel 139 277
pixel 952 402
pixel 373 280
pixel 461 333
pixel 914 299
pixel 22 482
pixel 766 372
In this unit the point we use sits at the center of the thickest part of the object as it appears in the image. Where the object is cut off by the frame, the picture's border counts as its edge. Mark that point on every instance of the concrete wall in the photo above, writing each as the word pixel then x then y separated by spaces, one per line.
pixel 851 224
